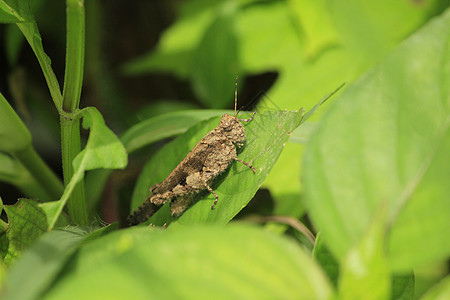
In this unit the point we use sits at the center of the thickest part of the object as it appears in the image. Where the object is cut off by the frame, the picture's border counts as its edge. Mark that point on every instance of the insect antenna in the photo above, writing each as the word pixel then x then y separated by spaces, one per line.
pixel 235 96
pixel 235 104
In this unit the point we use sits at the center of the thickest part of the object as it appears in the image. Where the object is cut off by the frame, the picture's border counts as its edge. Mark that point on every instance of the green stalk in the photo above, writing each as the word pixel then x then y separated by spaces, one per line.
pixel 73 78
pixel 70 125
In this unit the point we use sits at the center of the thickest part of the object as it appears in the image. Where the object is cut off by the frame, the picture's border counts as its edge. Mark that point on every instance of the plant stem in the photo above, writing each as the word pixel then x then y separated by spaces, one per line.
pixel 70 147
pixel 73 78
pixel 70 125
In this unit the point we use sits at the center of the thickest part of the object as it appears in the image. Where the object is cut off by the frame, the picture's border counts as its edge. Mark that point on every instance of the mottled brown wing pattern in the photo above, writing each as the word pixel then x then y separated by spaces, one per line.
pixel 190 164
pixel 211 156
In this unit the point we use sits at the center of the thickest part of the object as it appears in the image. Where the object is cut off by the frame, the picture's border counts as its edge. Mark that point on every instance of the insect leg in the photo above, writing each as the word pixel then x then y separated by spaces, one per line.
pixel 215 195
pixel 245 163
pixel 249 119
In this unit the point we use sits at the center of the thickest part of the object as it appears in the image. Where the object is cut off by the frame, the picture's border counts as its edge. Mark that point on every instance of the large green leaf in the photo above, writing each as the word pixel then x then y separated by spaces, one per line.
pixel 315 46
pixel 266 136
pixel 217 53
pixel 365 267
pixel 286 191
pixel 42 263
pixel 387 138
pixel 37 268
pixel 192 263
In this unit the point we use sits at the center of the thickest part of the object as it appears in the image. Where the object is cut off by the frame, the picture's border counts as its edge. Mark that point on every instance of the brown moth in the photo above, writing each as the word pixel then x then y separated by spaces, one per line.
pixel 210 157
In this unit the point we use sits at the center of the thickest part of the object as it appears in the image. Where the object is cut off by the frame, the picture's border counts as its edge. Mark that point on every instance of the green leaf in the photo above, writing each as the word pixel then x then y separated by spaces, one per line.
pixel 440 291
pixel 14 39
pixel 285 190
pixel 19 12
pixel 267 37
pixel 177 44
pixel 403 287
pixel 164 126
pixel 14 136
pixel 369 39
pixel 365 272
pixel 12 171
pixel 314 19
pixel 387 139
pixel 13 11
pixel 326 260
pixel 164 106
pixel 24 168
pixel 175 50
pixel 27 220
pixel 302 134
pixel 309 61
pixel 269 40
pixel 40 265
pixel 216 54
pixel 103 150
pixel 266 136
pixel 192 263
pixel 282 181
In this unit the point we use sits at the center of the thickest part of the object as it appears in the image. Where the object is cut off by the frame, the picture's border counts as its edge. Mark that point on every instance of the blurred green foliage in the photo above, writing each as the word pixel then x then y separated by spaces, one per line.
pixel 373 177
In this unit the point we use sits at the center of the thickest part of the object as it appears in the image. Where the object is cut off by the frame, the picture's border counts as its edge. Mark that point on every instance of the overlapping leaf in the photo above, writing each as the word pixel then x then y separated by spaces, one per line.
pixel 197 262
pixel 387 139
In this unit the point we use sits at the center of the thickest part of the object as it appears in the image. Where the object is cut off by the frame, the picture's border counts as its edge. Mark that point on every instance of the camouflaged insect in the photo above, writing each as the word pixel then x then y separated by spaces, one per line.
pixel 210 157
